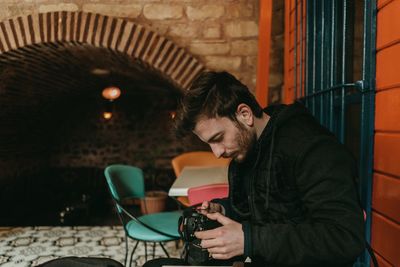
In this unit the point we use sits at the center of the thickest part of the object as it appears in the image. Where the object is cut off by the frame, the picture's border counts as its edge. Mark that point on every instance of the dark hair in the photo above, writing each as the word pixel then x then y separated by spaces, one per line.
pixel 213 94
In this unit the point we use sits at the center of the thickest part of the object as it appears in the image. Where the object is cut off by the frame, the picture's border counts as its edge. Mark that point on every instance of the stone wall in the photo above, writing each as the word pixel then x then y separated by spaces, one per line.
pixel 138 134
pixel 222 34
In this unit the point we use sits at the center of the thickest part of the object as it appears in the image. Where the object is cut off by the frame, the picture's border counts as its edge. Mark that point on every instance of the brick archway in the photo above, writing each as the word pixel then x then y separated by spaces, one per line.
pixel 120 35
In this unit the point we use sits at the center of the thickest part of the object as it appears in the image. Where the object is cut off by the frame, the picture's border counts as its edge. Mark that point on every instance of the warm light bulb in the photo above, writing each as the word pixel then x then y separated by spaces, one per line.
pixel 172 114
pixel 107 115
pixel 111 93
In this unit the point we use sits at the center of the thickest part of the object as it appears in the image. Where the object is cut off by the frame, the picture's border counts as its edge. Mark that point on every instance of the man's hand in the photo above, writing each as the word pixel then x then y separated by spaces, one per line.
pixel 210 207
pixel 223 242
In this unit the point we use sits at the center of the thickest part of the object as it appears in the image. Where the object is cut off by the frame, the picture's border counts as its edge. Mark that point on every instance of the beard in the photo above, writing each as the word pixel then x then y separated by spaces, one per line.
pixel 246 141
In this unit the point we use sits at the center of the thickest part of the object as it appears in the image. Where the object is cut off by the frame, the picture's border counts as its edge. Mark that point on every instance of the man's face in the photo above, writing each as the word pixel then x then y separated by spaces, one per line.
pixel 227 139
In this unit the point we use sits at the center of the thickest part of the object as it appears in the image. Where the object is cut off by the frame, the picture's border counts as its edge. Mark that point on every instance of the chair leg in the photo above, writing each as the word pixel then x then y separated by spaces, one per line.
pixel 165 251
pixel 179 204
pixel 154 250
pixel 133 251
pixel 182 255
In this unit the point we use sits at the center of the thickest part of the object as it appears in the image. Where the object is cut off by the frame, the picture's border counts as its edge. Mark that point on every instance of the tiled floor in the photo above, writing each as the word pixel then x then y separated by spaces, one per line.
pixel 30 246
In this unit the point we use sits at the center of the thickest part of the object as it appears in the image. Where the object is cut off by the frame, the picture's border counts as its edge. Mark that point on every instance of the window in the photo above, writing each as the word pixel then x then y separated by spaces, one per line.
pixel 330 67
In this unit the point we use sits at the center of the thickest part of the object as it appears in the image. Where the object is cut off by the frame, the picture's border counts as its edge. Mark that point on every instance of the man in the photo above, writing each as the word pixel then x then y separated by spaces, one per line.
pixel 292 199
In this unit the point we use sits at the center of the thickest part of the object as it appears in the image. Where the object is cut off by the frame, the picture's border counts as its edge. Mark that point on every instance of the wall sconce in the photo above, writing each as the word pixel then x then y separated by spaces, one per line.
pixel 172 114
pixel 108 110
pixel 107 115
pixel 110 94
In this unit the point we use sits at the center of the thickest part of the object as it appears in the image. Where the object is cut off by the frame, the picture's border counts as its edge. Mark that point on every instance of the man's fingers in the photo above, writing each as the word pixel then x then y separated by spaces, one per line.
pixel 210 234
pixel 218 250
pixel 223 242
pixel 210 243
pixel 205 205
pixel 209 207
pixel 220 218
pixel 215 207
pixel 220 256
pixel 217 231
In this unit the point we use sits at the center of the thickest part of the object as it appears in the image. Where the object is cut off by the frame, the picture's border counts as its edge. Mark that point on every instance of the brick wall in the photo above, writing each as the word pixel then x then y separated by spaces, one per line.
pixel 276 52
pixel 222 34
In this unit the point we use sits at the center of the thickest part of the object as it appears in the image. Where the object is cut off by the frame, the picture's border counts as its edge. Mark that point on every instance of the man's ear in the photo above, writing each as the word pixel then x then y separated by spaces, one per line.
pixel 244 114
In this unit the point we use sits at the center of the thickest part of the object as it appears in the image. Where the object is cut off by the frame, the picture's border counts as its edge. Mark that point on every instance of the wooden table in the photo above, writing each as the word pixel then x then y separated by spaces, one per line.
pixel 197 176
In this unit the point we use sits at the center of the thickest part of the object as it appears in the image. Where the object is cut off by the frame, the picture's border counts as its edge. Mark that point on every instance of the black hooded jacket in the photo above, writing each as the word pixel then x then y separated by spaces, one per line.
pixel 295 195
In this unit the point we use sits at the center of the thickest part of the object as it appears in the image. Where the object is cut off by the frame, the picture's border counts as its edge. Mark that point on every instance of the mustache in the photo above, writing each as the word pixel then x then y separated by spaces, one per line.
pixel 228 155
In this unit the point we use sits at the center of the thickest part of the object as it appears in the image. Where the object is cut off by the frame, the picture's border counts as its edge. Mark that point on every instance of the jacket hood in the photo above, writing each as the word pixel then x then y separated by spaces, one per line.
pixel 282 113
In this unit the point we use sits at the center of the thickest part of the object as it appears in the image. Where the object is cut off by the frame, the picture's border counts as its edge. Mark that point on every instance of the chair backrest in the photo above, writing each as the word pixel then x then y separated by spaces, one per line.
pixel 197 158
pixel 202 193
pixel 125 181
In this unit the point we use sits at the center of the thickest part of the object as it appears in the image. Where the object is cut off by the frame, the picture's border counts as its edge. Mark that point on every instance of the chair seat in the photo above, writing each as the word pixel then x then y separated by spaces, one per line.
pixel 166 222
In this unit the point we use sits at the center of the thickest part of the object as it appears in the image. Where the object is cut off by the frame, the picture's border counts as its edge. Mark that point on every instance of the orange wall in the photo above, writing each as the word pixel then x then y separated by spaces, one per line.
pixel 386 180
pixel 386 186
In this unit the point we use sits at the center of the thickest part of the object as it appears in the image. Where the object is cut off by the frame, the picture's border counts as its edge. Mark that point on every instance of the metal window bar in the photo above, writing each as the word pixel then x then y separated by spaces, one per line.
pixel 321 61
pixel 301 49
pixel 328 78
pixel 367 114
pixel 326 65
pixel 332 65
pixel 347 59
pixel 295 49
pixel 309 54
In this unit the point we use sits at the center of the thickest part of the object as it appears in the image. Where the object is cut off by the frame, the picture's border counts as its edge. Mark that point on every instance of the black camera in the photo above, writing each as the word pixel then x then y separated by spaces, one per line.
pixel 190 222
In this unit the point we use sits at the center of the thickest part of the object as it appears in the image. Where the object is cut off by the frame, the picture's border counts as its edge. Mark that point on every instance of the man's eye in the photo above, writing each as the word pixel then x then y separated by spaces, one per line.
pixel 218 139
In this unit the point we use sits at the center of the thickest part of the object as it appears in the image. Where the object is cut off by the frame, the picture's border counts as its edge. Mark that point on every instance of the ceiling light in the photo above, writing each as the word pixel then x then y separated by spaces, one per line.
pixel 99 71
pixel 111 93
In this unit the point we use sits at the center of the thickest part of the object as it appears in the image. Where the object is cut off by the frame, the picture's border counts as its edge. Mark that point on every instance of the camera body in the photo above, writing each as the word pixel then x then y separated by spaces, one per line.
pixel 190 222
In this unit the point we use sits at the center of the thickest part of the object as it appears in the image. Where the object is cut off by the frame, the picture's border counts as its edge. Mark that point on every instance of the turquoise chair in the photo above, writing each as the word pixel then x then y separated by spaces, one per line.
pixel 126 182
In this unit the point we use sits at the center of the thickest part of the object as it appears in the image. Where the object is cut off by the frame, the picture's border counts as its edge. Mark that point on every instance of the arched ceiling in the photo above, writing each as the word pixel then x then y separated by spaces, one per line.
pixel 41 83
pixel 53 70
pixel 57 63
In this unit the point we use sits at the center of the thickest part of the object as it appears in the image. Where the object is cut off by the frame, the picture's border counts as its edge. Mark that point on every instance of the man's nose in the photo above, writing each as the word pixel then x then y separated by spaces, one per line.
pixel 218 150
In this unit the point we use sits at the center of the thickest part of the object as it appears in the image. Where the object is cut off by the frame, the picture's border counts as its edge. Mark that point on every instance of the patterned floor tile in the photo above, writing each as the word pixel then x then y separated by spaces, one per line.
pixel 31 246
